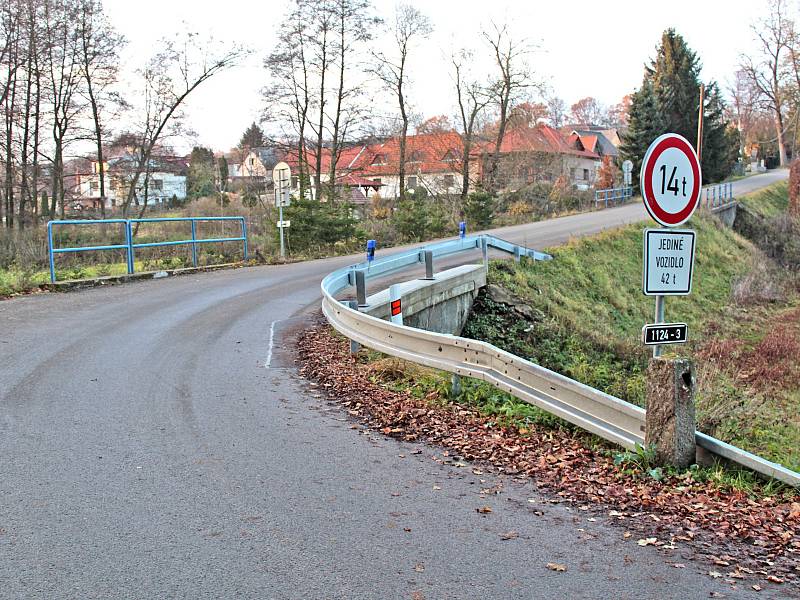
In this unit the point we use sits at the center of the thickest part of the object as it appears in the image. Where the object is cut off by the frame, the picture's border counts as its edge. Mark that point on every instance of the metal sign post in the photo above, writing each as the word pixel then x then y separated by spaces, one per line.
pixel 670 182
pixel 281 178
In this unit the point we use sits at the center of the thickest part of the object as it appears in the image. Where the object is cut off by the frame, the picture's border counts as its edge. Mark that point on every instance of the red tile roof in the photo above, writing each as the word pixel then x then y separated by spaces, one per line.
pixel 541 138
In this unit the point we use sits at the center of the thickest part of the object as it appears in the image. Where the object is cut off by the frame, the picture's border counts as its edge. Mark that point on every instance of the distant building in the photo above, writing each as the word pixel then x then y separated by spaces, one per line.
pixel 164 180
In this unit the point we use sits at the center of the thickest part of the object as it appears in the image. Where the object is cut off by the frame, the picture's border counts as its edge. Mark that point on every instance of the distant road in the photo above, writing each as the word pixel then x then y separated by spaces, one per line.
pixel 156 441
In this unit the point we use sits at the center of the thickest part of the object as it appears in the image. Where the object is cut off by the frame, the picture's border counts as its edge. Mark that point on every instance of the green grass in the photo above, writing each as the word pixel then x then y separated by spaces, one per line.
pixel 591 309
pixel 770 201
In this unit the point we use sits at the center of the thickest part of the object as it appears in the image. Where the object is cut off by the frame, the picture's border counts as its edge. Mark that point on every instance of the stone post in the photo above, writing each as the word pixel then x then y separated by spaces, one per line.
pixel 670 423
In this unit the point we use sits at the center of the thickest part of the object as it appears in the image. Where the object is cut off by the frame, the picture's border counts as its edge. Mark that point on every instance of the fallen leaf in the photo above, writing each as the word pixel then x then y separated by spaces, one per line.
pixel 647 541
pixel 509 535
pixel 419 567
pixel 715 574
pixel 557 567
pixel 679 566
pixel 484 510
pixel 774 579
pixel 756 587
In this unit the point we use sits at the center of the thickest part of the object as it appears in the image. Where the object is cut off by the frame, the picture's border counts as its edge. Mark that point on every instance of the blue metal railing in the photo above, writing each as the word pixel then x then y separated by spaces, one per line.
pixel 613 194
pixel 718 195
pixel 129 246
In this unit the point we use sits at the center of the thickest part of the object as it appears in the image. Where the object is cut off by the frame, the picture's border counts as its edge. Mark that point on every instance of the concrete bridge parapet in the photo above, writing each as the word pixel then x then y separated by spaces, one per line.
pixel 441 304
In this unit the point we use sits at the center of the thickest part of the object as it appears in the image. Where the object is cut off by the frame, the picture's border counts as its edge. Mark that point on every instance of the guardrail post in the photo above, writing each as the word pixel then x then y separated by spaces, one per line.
pixel 354 346
pixel 455 386
pixel 361 288
pixel 395 304
pixel 485 252
pixel 670 419
pixel 731 187
pixel 428 264
pixel 50 251
pixel 517 253
pixel 194 243
pixel 129 242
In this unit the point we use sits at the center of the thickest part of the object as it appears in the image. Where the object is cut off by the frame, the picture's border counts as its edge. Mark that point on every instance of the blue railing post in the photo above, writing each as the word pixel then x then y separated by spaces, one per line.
pixel 244 235
pixel 50 252
pixel 194 243
pixel 129 242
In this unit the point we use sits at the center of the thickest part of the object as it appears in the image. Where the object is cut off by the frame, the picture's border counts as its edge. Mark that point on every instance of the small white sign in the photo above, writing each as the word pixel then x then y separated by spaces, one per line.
pixel 668 261
pixel 282 198
pixel 283 223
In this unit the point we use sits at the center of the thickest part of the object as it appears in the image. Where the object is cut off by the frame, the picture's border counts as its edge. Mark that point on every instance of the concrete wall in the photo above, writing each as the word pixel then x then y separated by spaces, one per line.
pixel 726 213
pixel 441 305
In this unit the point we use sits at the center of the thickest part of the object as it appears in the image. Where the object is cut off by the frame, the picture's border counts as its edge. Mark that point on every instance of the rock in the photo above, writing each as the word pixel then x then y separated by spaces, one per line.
pixel 502 296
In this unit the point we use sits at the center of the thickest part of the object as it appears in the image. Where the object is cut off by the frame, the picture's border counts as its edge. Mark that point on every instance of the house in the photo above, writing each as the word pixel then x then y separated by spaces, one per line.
pixel 164 181
pixel 541 154
pixel 433 163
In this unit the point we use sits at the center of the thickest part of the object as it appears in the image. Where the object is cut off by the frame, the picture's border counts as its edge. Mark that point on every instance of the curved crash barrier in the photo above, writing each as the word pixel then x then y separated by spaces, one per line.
pixel 606 416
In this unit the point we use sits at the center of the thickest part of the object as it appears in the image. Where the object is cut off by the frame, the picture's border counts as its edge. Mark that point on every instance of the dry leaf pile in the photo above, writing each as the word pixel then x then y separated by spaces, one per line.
pixel 743 537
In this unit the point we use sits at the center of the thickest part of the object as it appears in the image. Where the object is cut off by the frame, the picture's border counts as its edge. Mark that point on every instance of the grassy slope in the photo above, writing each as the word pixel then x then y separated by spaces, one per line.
pixel 592 310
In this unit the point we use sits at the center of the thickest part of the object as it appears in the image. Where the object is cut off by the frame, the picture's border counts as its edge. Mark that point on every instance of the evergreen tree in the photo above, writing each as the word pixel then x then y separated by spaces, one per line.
pixel 200 176
pixel 669 100
pixel 645 123
pixel 675 74
pixel 479 210
pixel 253 137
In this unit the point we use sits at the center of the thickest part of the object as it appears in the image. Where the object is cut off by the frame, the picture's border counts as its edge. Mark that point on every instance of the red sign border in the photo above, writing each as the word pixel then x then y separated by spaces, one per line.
pixel 659 145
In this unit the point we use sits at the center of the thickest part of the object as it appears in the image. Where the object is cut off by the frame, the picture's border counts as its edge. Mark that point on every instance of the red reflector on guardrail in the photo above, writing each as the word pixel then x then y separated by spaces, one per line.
pixel 396 308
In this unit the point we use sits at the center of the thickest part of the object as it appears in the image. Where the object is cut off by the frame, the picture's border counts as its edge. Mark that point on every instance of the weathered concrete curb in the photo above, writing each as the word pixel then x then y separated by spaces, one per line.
pixel 78 284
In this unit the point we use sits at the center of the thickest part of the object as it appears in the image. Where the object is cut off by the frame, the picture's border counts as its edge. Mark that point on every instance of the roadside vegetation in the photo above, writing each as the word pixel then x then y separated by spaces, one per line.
pixel 317 230
pixel 586 309
pixel 581 315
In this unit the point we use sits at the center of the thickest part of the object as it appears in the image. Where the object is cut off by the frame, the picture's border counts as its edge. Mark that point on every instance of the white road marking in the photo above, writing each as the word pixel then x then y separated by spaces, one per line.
pixel 271 344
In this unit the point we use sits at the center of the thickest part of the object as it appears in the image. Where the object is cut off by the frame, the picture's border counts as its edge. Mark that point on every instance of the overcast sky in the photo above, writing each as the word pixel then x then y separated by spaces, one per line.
pixel 586 48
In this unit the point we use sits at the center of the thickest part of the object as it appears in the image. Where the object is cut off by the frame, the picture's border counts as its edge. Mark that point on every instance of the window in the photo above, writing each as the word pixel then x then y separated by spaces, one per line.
pixel 450 156
pixel 586 174
pixel 449 181
pixel 411 182
pixel 377 180
pixel 295 182
pixel 572 173
pixel 380 159
pixel 157 184
pixel 415 156
pixel 94 186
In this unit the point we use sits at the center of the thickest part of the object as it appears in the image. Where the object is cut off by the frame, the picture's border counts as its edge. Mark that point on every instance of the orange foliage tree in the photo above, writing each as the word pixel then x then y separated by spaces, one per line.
pixel 605 176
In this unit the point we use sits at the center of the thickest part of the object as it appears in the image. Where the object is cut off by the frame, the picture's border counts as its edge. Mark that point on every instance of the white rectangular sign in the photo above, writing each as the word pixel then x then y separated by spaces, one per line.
pixel 668 262
pixel 282 198
pixel 283 223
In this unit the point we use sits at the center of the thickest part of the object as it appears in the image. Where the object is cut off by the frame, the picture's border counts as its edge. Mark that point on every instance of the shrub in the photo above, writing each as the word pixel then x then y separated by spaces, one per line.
pixel 479 210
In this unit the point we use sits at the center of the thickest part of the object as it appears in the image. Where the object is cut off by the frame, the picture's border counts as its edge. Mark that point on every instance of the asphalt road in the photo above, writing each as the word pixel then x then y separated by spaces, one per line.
pixel 157 442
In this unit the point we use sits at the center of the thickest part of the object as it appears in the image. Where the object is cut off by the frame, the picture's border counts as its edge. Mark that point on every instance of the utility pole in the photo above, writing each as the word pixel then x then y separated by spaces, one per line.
pixel 699 146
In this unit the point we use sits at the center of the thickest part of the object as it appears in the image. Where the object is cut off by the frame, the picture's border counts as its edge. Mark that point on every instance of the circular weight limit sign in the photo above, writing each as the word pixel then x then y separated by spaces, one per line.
pixel 671 180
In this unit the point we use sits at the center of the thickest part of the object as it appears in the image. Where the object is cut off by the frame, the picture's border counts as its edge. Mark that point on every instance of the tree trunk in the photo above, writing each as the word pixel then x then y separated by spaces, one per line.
pixel 779 132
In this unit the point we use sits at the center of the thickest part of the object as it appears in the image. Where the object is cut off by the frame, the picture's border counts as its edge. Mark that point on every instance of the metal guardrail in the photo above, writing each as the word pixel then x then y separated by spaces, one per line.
pixel 719 195
pixel 602 414
pixel 614 195
pixel 129 246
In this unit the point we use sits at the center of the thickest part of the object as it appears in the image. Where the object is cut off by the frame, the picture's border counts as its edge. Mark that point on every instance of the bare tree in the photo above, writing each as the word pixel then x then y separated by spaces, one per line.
pixel 589 111
pixel 99 45
pixel 11 62
pixel 472 97
pixel 556 111
pixel 63 74
pixel 409 25
pixel 766 71
pixel 288 96
pixel 354 26
pixel 170 76
pixel 514 76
